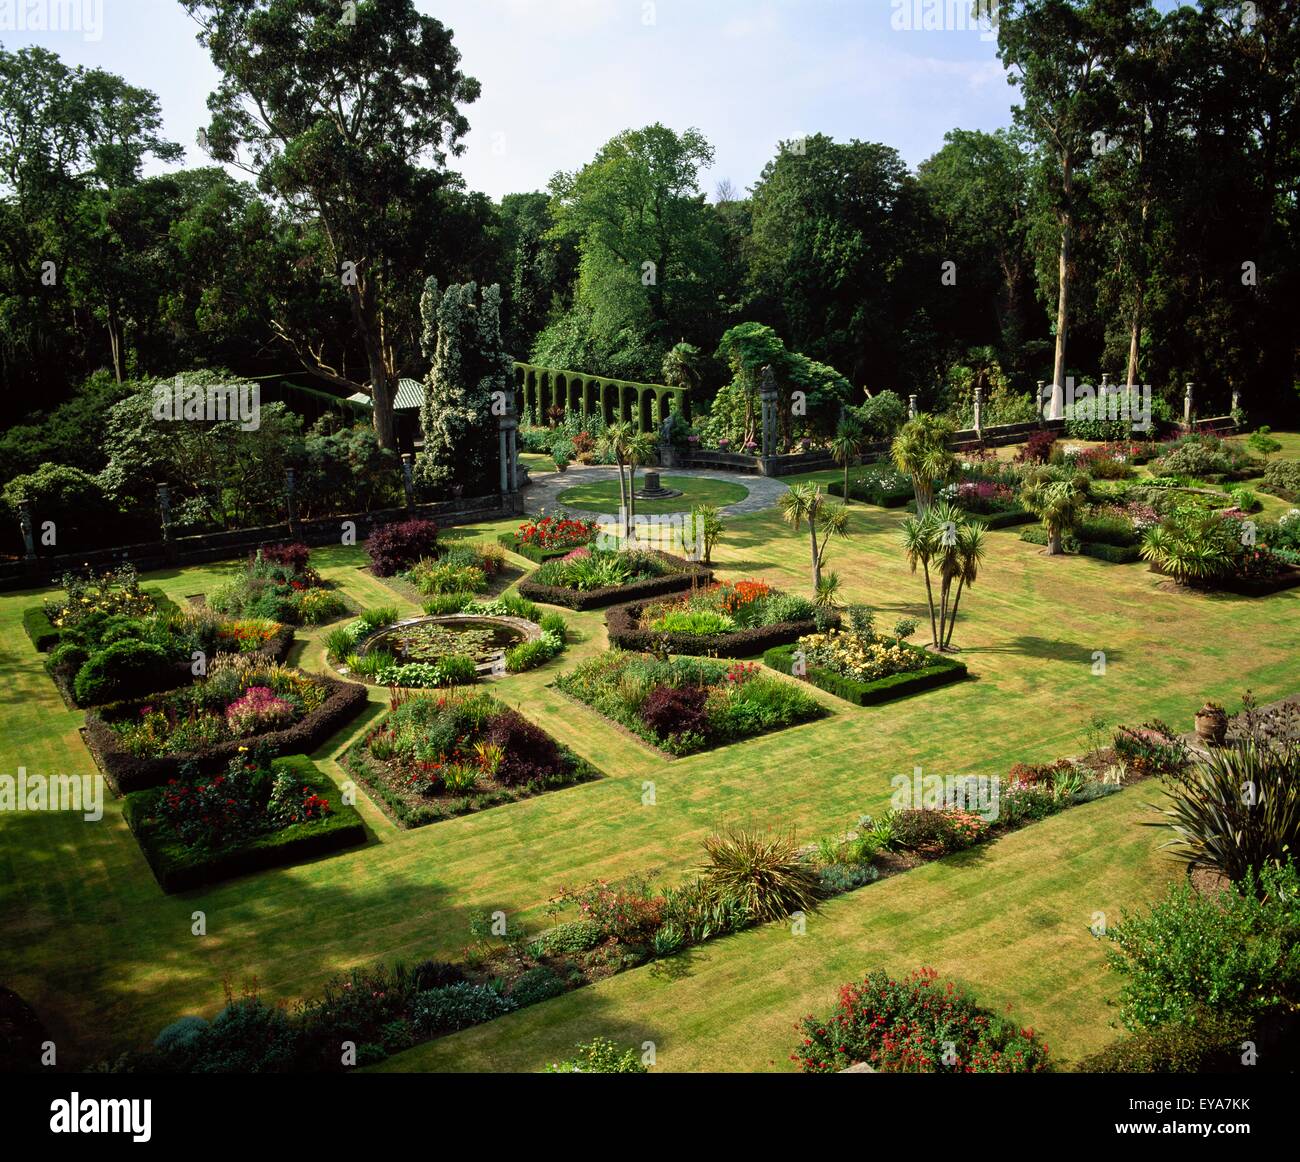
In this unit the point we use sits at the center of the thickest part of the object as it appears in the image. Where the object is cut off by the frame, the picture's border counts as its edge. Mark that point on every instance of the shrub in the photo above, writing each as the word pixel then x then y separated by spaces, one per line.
pixel 21 1034
pixel 530 655
pixel 446 604
pixel 675 710
pixel 626 912
pixel 294 557
pixel 1205 1042
pixel 1232 955
pixel 568 939
pixel 435 974
pixel 125 669
pixel 529 752
pixel 537 985
pixel 554 623
pixel 916 1025
pixel 599 1056
pixel 761 873
pixel 396 547
pixel 1218 824
pixel 1283 478
pixel 457 1006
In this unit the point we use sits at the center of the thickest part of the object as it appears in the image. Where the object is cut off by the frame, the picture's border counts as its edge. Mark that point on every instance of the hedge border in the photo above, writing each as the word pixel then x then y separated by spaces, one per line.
pixel 940 672
pixel 877 496
pixel 1003 520
pixel 127 772
pixel 356 760
pixel 538 556
pixel 290 845
pixel 1098 550
pixel 45 635
pixel 621 624
pixel 580 601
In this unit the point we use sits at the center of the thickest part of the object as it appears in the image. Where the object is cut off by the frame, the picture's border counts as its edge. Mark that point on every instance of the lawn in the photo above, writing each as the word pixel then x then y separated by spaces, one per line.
pixel 695 490
pixel 108 960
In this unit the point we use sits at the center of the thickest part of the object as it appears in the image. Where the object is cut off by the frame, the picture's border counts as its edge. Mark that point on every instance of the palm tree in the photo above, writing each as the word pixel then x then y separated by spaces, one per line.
pixel 846 447
pixel 920 543
pixel 640 449
pixel 805 503
pixel 613 442
pixel 1057 500
pixel 921 451
pixel 962 546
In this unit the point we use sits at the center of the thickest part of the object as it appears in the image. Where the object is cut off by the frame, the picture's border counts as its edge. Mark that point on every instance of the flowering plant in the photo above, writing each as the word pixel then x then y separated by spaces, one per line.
pixel 554 532
pixel 258 710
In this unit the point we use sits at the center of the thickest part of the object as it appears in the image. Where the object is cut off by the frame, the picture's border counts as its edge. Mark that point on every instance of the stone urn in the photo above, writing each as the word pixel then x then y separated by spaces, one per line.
pixel 1212 724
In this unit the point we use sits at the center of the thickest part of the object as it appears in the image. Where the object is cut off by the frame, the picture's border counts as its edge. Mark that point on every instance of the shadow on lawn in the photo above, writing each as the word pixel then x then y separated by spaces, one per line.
pixel 1045 649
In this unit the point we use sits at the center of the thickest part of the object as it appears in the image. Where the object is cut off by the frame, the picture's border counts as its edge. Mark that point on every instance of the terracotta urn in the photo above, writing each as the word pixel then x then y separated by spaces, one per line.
pixel 1212 724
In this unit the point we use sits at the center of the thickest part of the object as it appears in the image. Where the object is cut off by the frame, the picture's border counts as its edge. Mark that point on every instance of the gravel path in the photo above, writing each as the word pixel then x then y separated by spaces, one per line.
pixel 545 488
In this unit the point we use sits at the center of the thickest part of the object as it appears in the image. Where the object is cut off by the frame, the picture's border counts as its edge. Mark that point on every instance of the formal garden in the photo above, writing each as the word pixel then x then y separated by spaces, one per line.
pixel 700 675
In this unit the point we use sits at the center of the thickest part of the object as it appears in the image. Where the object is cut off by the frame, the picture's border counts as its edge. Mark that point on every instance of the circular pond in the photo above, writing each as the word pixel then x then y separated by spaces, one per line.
pixel 429 639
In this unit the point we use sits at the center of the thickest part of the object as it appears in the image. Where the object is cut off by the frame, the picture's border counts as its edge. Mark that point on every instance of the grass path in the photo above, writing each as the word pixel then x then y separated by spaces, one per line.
pixel 108 960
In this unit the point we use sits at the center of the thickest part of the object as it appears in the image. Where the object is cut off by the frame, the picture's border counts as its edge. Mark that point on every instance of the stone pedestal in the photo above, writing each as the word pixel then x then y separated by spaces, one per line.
pixel 652 489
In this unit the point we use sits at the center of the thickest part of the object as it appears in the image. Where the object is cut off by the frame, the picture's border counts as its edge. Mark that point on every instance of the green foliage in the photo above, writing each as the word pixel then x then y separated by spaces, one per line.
pixel 1203 1042
pixel 761 873
pixel 457 1006
pixel 599 1056
pixel 1234 954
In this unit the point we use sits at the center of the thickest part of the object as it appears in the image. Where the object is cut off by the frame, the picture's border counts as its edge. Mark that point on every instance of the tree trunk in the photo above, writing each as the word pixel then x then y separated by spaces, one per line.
pixel 929 596
pixel 115 342
pixel 1054 542
pixel 952 620
pixel 381 387
pixel 816 558
pixel 1139 295
pixel 944 590
pixel 1063 299
pixel 924 496
pixel 846 482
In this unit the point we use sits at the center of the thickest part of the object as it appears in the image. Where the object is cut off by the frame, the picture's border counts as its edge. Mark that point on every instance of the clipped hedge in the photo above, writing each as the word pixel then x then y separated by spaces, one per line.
pixel 128 772
pixel 45 635
pixel 1115 554
pixel 577 599
pixel 623 626
pixel 1002 520
pixel 178 868
pixel 939 672
pixel 534 553
pixel 872 494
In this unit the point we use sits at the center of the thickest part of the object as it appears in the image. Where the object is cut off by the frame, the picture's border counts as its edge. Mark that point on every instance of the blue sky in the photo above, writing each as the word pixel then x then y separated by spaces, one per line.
pixel 560 77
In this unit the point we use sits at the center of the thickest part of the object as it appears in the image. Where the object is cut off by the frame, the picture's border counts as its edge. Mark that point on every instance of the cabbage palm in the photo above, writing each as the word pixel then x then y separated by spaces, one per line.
pixel 846 447
pixel 1190 550
pixel 640 448
pixel 1057 500
pixel 920 543
pixel 805 502
pixel 921 451
pixel 962 553
pixel 613 442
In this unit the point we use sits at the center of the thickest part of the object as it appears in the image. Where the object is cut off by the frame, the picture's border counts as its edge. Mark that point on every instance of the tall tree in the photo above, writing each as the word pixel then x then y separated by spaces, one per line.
pixel 337 110
pixel 1054 51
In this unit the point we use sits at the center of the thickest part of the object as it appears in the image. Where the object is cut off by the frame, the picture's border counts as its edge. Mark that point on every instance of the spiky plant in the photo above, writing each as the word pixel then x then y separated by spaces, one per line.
pixel 921 451
pixel 1236 810
pixel 759 871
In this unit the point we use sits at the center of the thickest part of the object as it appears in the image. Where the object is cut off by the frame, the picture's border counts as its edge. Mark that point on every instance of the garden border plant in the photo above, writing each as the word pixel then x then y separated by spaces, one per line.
pixel 45 635
pixel 622 624
pixel 689 576
pixel 178 869
pixel 941 671
pixel 127 772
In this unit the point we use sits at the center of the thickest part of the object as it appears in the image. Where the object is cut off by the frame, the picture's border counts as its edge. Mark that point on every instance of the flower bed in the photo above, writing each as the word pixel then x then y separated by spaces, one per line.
pixel 878 484
pixel 916 1025
pixel 144 742
pixel 725 619
pixel 1217 551
pixel 456 568
pixel 259 813
pixel 1115 554
pixel 586 579
pixel 93 598
pixel 862 666
pixel 437 756
pixel 686 705
pixel 278 583
pixel 548 537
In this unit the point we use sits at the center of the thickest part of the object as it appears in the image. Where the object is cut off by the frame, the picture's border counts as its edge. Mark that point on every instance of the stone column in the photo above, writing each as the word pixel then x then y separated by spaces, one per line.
pixel 979 410
pixel 165 512
pixel 768 396
pixel 1236 401
pixel 408 480
pixel 1042 387
pixel 507 449
pixel 25 523
pixel 911 407
pixel 290 501
pixel 1188 400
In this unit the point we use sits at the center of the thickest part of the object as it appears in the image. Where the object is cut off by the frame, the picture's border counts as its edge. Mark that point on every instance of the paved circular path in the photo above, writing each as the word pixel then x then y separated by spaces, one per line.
pixel 545 489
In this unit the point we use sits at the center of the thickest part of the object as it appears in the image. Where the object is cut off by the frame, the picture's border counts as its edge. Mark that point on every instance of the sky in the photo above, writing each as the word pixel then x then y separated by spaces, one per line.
pixel 561 77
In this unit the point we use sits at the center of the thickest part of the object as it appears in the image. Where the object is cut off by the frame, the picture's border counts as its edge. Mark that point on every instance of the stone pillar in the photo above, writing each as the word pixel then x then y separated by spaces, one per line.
pixel 911 407
pixel 979 410
pixel 507 448
pixel 165 512
pixel 1042 388
pixel 1236 400
pixel 290 501
pixel 1188 400
pixel 768 396
pixel 408 480
pixel 25 523
pixel 1105 383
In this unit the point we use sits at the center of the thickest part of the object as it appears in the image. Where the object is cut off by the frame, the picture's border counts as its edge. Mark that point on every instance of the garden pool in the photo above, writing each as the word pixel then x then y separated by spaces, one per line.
pixel 428 639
